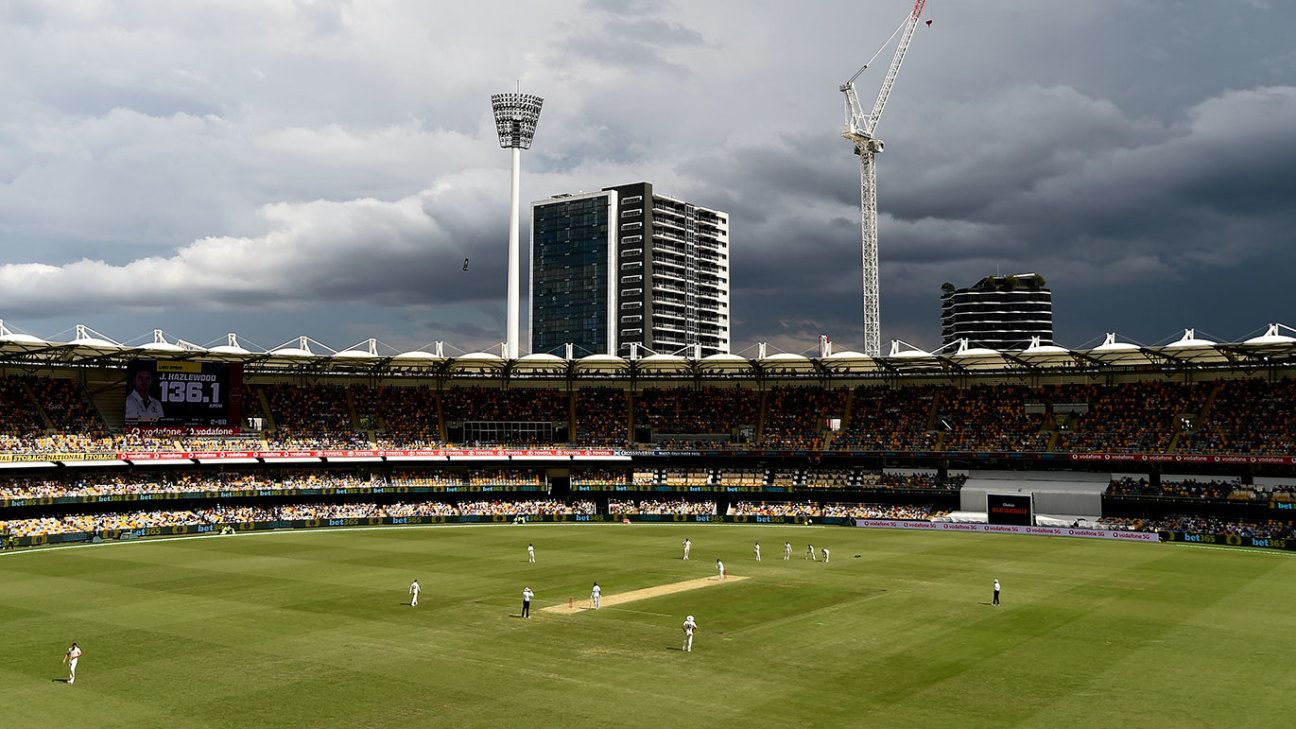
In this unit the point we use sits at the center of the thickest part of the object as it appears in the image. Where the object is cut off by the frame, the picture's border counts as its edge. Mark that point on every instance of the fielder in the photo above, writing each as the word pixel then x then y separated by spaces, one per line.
pixel 787 551
pixel 689 627
pixel 687 546
pixel 825 551
pixel 757 551
pixel 527 594
pixel 70 658
pixel 595 594
pixel 995 602
pixel 810 553
pixel 720 567
pixel 531 553
pixel 414 591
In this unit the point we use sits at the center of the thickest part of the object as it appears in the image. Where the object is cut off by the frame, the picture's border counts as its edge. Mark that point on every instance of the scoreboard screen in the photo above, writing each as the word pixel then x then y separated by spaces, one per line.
pixel 182 394
pixel 1015 509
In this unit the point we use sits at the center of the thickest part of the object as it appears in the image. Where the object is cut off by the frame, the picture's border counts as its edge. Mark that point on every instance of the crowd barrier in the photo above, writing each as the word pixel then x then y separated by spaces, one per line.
pixel 190 529
pixel 1126 536
pixel 235 493
pixel 682 488
pixel 883 494
pixel 944 526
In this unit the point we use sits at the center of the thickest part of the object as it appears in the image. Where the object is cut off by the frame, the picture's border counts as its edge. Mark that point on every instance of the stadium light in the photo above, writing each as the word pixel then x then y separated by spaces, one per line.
pixel 516 116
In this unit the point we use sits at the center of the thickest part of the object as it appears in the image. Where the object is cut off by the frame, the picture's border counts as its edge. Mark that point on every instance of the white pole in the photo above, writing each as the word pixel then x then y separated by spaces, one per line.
pixel 514 282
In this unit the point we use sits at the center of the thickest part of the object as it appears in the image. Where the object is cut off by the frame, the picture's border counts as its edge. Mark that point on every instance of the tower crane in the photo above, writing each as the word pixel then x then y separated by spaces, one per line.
pixel 860 130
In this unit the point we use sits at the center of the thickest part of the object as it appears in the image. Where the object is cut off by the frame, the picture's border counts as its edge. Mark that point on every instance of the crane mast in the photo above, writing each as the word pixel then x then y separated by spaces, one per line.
pixel 860 130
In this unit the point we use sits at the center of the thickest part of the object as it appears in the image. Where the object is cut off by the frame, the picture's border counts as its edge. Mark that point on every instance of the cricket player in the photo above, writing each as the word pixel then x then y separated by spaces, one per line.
pixel 531 553
pixel 70 658
pixel 689 627
pixel 595 594
pixel 757 551
pixel 825 551
pixel 810 553
pixel 787 551
pixel 995 602
pixel 414 591
pixel 720 568
pixel 688 544
pixel 527 594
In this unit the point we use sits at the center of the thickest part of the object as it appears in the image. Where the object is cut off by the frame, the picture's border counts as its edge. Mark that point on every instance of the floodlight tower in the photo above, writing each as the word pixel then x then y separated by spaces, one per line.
pixel 516 115
pixel 860 130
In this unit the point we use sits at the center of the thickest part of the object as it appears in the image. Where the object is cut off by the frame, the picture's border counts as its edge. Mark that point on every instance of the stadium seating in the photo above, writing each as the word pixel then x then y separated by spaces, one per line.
pixel 58 419
pixel 1216 490
pixel 602 416
pixel 710 416
pixel 796 417
pixel 222 515
pixel 1244 416
pixel 1261 529
pixel 663 507
pixel 1255 416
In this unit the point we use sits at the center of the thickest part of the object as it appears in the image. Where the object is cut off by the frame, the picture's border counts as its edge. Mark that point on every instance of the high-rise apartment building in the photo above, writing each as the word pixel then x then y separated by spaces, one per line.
pixel 998 312
pixel 623 266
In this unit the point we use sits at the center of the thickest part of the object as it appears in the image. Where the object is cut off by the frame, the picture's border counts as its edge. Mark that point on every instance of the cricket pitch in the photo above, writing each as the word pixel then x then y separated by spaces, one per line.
pixel 648 592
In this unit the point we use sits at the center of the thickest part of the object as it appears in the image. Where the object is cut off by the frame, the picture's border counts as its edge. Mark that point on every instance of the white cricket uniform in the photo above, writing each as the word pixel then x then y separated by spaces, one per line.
pixel 73 654
pixel 825 550
pixel 414 590
pixel 689 627
pixel 720 567
pixel 594 596
pixel 787 550
pixel 811 553
pixel 530 553
pixel 757 552
pixel 687 546
pixel 138 409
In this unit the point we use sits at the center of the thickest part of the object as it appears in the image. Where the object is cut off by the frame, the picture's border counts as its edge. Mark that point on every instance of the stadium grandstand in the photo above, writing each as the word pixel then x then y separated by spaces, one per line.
pixel 1187 436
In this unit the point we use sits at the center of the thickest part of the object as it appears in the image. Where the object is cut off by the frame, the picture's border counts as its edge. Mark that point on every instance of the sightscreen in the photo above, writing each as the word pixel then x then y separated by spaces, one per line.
pixel 1015 509
pixel 184 395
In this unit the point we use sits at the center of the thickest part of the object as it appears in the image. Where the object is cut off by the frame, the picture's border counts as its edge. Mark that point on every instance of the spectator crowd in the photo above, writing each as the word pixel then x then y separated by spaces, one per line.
pixel 232 515
pixel 1244 416
pixel 629 507
pixel 1196 524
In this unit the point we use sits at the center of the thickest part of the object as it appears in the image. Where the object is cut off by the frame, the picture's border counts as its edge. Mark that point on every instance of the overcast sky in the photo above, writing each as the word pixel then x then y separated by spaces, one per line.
pixel 286 167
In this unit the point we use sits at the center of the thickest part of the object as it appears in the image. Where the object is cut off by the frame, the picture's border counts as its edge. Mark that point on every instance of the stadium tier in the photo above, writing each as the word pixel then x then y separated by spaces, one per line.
pixel 1150 449
pixel 57 414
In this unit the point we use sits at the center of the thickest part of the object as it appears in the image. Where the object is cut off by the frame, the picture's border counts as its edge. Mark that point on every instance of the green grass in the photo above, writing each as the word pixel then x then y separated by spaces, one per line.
pixel 313 629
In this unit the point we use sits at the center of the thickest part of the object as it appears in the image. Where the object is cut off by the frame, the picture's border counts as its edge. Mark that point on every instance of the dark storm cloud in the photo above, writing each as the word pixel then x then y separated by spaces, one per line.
pixel 1110 208
pixel 324 168
pixel 385 253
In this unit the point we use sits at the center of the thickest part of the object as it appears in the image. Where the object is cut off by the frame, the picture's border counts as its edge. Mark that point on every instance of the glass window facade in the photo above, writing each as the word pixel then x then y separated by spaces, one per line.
pixel 569 276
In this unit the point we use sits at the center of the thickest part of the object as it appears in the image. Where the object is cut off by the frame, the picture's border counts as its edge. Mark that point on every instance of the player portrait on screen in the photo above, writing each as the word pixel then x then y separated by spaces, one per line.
pixel 142 405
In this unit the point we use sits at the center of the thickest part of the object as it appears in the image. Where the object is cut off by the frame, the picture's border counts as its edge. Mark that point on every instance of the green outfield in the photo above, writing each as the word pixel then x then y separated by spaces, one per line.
pixel 314 629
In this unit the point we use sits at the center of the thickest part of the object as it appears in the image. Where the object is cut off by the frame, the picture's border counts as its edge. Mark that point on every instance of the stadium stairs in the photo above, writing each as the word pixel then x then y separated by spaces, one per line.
pixel 351 410
pixel 31 396
pixel 264 404
pixel 108 402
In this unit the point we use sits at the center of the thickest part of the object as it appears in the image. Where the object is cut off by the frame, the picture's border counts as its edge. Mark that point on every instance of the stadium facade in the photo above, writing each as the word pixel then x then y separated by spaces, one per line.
pixel 625 269
pixel 998 312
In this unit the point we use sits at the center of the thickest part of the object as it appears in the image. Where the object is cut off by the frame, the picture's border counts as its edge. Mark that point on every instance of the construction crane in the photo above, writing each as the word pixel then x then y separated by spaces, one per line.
pixel 860 130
